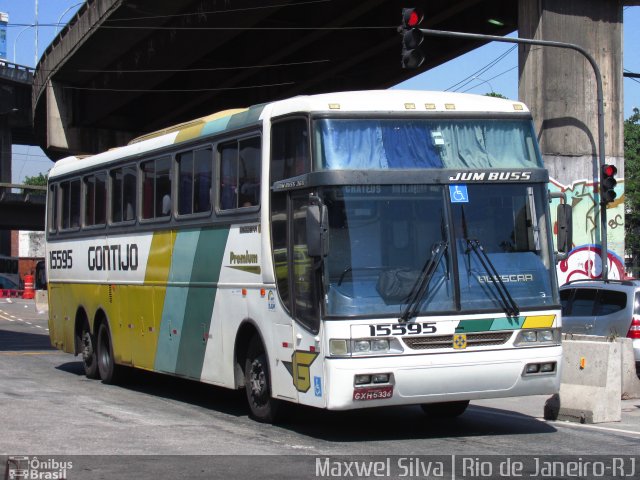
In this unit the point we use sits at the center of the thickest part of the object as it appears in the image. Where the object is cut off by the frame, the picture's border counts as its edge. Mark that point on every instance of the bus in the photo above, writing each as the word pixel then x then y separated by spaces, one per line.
pixel 340 251
pixel 9 273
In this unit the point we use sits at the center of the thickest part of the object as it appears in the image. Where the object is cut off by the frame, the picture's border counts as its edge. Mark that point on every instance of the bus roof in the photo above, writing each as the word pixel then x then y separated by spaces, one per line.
pixel 366 101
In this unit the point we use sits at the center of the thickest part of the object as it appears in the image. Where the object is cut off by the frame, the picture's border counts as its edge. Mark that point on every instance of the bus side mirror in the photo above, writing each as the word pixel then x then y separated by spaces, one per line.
pixel 317 229
pixel 564 216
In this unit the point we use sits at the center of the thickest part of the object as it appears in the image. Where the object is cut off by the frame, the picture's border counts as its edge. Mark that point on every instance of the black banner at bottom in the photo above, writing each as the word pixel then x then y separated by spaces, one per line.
pixel 284 467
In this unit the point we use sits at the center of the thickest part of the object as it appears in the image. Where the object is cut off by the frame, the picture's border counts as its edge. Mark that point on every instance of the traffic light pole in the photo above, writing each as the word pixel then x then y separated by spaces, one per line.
pixel 600 95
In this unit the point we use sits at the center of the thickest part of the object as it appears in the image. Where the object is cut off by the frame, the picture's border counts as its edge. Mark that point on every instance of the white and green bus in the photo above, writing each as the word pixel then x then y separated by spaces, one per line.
pixel 344 250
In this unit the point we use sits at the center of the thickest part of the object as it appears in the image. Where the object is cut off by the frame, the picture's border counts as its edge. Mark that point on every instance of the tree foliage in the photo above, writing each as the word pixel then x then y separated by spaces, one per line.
pixel 37 180
pixel 632 182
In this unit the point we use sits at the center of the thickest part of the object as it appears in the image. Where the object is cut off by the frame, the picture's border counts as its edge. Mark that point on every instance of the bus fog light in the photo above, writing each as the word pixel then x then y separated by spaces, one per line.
pixel 361 346
pixel 338 346
pixel 545 336
pixel 379 345
pixel 532 368
pixel 548 367
pixel 362 379
pixel 380 378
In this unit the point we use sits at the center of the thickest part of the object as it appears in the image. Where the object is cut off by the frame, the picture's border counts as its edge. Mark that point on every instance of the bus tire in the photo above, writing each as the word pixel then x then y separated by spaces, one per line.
pixel 106 363
pixel 257 382
pixel 89 355
pixel 445 409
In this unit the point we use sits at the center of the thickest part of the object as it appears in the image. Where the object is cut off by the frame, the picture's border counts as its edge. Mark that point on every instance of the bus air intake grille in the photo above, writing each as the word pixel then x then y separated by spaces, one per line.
pixel 446 341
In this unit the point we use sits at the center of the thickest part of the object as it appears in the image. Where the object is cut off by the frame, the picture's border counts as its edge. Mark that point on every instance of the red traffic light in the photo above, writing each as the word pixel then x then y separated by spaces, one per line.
pixel 608 183
pixel 609 170
pixel 411 17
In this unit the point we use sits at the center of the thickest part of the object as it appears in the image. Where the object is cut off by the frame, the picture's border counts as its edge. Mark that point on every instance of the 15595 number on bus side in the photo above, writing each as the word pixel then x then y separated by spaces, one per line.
pixel 60 259
pixel 387 329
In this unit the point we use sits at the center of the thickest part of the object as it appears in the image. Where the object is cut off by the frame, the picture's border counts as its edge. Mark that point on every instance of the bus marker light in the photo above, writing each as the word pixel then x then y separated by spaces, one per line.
pixel 583 363
pixel 244 292
pixel 312 348
pixel 380 378
pixel 410 106
pixel 286 345
pixel 532 368
pixel 263 292
pixel 548 367
pixel 338 346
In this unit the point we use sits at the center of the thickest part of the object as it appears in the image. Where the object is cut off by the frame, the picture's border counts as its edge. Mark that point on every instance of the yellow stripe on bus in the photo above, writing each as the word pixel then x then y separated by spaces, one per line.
pixel 539 321
pixel 159 258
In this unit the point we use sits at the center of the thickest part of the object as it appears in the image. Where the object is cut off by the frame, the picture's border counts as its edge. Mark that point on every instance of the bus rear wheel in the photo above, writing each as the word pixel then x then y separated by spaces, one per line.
pixel 257 383
pixel 89 357
pixel 106 363
pixel 445 409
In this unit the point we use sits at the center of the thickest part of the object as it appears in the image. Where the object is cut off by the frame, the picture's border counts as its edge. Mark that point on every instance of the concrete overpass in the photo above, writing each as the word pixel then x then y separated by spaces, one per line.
pixel 121 68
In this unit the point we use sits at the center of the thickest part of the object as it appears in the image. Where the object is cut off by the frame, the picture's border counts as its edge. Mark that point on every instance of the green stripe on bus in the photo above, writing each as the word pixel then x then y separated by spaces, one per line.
pixel 480 325
pixel 209 254
pixel 175 301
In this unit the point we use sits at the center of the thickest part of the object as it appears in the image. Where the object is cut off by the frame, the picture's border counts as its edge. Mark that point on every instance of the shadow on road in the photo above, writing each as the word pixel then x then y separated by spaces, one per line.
pixel 377 424
pixel 21 341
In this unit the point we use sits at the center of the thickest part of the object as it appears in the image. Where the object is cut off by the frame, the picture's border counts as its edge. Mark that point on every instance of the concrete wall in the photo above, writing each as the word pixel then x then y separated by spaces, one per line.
pixel 559 87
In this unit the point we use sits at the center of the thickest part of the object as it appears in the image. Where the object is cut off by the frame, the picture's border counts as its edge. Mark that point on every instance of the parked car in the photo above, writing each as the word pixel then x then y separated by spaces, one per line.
pixel 596 307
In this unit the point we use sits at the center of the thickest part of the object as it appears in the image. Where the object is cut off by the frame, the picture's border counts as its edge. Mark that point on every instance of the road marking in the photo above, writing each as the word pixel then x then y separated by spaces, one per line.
pixel 17 353
pixel 595 427
pixel 554 423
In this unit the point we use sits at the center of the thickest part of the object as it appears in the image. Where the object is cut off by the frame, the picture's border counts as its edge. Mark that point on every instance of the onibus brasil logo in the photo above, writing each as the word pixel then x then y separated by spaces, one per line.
pixel 23 467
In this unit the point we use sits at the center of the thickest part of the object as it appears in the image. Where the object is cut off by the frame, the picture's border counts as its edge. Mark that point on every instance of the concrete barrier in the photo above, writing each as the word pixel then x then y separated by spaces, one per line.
pixel 630 380
pixel 42 301
pixel 591 381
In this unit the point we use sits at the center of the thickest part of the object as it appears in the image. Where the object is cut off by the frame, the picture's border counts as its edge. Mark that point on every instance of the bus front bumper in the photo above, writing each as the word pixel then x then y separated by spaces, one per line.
pixel 448 377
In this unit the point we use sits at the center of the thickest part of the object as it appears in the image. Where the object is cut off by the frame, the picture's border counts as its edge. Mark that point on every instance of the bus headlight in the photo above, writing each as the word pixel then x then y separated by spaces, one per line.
pixel 549 336
pixel 339 347
pixel 361 346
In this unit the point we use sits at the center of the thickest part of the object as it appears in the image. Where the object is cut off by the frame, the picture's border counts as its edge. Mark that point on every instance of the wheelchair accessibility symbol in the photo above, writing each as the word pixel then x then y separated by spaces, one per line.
pixel 458 194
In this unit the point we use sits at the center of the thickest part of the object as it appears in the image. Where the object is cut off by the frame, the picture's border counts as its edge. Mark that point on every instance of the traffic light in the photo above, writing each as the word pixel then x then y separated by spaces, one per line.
pixel 412 56
pixel 608 183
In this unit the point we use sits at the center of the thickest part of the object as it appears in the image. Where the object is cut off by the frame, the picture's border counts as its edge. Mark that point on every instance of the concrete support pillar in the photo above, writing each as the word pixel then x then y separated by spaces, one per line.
pixel 559 87
pixel 5 174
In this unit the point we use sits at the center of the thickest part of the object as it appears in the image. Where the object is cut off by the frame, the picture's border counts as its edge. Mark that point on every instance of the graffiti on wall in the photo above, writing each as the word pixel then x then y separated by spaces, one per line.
pixel 584 259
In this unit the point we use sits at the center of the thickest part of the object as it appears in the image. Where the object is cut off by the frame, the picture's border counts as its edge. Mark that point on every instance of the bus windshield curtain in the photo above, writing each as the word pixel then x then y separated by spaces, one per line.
pixel 366 144
pixel 406 144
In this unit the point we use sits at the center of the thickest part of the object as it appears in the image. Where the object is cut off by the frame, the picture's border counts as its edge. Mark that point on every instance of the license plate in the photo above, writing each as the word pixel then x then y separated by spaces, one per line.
pixel 373 393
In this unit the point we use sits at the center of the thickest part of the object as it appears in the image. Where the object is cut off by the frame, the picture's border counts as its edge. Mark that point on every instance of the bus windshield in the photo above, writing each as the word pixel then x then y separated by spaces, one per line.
pixel 378 144
pixel 381 237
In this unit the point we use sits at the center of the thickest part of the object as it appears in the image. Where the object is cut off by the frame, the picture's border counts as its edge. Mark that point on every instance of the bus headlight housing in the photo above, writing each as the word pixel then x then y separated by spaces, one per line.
pixel 339 347
pixel 537 337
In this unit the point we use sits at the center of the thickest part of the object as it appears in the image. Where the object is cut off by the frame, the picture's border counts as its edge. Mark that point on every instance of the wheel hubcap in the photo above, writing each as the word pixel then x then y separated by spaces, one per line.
pixel 258 381
pixel 87 347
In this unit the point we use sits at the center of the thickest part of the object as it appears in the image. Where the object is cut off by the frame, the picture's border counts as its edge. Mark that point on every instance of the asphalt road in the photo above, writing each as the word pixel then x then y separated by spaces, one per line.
pixel 157 426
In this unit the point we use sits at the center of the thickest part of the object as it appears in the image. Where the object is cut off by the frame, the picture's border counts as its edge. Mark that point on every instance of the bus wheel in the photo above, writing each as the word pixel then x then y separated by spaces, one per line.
pixel 257 383
pixel 445 409
pixel 89 357
pixel 106 364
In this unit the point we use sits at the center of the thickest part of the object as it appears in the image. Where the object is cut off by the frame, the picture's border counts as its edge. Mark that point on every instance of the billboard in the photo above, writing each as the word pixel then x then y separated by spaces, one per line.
pixel 4 19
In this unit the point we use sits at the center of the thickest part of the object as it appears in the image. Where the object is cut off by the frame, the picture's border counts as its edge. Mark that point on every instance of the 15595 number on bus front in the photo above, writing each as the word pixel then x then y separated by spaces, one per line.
pixel 387 329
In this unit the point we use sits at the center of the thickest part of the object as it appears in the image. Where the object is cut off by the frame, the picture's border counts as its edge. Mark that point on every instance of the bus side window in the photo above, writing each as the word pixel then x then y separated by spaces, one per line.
pixel 123 194
pixel 194 181
pixel 70 204
pixel 156 188
pixel 240 173
pixel 95 197
pixel 53 208
pixel 289 149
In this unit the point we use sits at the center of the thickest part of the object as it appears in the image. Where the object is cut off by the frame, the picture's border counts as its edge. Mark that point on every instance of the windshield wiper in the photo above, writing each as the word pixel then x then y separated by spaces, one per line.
pixel 423 281
pixel 509 304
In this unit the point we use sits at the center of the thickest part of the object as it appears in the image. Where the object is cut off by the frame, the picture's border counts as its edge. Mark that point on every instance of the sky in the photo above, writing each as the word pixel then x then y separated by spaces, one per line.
pixel 491 68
